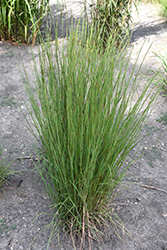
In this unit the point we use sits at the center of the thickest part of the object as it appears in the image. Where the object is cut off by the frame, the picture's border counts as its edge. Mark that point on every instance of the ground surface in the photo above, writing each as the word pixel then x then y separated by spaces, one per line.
pixel 143 210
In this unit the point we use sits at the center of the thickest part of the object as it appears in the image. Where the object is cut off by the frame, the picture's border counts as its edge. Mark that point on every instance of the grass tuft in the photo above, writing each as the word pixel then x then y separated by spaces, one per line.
pixel 110 17
pixel 87 119
pixel 20 20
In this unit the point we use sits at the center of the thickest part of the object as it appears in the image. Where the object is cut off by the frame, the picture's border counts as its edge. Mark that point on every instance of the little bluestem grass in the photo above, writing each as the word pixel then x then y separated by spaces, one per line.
pixel 87 119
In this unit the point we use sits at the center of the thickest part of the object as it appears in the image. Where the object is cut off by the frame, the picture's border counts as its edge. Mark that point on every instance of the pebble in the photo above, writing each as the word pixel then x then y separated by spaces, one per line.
pixel 21 146
pixel 138 199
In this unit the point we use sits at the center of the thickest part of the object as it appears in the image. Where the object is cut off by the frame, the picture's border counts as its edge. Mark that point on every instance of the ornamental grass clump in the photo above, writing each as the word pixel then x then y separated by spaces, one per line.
pixel 87 119
pixel 20 20
pixel 111 17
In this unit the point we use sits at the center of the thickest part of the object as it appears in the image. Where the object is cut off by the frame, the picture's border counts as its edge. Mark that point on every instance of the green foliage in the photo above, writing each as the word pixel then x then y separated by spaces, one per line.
pixel 163 6
pixel 19 18
pixel 87 119
pixel 111 17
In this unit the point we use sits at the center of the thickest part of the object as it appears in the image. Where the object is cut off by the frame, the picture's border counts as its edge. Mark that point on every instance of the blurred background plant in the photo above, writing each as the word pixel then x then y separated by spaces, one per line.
pixel 163 7
pixel 111 17
pixel 20 19
pixel 87 119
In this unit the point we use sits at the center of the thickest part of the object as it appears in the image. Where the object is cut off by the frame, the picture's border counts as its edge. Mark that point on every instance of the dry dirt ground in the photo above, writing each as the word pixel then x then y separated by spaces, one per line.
pixel 142 209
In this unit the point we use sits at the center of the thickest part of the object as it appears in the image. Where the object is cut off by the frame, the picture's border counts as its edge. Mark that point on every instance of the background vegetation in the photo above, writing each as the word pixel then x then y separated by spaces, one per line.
pixel 20 19
pixel 111 17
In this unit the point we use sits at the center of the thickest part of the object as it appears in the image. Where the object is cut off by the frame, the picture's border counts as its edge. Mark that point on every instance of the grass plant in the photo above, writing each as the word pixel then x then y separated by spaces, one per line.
pixel 87 119
pixel 163 7
pixel 111 17
pixel 20 19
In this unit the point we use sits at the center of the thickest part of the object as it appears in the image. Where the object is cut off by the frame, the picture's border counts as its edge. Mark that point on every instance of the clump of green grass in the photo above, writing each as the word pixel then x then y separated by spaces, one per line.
pixel 87 119
pixel 20 20
pixel 163 7
pixel 111 17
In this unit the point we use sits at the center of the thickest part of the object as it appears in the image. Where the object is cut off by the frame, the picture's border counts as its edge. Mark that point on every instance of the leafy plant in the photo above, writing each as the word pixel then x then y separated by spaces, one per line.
pixel 111 17
pixel 20 17
pixel 87 120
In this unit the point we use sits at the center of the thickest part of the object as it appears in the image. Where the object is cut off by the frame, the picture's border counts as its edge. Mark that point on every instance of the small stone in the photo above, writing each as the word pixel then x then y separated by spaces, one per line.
pixel 21 146
pixel 138 199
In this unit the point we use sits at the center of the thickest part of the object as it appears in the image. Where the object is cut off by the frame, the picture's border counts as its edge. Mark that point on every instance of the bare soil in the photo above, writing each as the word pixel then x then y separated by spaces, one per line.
pixel 143 208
